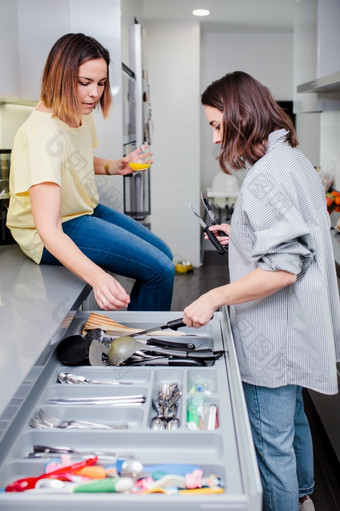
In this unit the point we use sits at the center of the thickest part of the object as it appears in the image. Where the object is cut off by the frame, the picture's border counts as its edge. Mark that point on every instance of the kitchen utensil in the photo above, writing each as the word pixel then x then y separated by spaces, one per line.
pixel 30 482
pixel 166 361
pixel 78 379
pixel 211 235
pixel 73 350
pixel 49 449
pixel 109 484
pixel 123 347
pixel 43 420
pixel 213 217
pixel 111 327
pixel 137 399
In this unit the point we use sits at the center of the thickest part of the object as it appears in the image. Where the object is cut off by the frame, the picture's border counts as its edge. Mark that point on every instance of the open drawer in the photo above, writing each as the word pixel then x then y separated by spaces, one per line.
pixel 222 448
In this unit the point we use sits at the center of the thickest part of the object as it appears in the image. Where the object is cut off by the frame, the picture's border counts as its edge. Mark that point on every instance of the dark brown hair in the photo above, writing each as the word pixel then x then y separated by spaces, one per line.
pixel 60 77
pixel 250 114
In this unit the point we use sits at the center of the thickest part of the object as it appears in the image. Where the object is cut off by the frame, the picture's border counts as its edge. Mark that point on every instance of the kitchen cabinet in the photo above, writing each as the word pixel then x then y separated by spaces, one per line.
pixel 316 56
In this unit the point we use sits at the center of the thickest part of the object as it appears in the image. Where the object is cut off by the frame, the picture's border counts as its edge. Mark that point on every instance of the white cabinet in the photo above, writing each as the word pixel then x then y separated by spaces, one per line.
pixel 316 56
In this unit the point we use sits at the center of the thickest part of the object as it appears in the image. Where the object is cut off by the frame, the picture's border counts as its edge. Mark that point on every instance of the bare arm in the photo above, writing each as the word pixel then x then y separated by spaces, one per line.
pixel 254 286
pixel 46 208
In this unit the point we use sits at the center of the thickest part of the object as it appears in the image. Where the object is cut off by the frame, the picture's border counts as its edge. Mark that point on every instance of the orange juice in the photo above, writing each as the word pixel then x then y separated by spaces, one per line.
pixel 139 166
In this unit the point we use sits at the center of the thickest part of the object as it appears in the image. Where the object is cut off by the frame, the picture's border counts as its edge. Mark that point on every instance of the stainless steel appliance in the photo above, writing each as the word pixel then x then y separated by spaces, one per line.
pixel 5 162
pixel 136 186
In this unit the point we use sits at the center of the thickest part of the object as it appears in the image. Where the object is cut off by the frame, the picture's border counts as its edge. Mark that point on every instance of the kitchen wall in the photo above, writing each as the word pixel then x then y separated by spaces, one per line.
pixel 182 60
pixel 172 58
pixel 266 56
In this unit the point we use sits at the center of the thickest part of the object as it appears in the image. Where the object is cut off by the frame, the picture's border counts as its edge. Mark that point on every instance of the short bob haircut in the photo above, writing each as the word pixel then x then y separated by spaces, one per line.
pixel 59 88
pixel 250 114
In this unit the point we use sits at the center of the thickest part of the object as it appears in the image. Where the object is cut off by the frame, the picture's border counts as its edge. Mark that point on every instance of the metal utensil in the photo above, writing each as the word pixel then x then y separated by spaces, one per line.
pixel 122 348
pixel 50 449
pixel 71 378
pixel 44 420
pixel 136 399
pixel 213 217
pixel 220 249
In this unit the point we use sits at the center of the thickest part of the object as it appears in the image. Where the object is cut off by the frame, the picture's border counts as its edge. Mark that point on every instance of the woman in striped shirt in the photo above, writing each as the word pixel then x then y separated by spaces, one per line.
pixel 283 296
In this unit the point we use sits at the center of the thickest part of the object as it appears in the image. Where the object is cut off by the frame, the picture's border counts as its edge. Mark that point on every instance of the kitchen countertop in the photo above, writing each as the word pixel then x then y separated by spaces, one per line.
pixel 37 303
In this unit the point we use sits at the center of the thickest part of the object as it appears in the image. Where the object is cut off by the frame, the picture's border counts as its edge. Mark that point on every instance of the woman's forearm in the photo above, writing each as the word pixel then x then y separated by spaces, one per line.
pixel 103 166
pixel 70 256
pixel 254 286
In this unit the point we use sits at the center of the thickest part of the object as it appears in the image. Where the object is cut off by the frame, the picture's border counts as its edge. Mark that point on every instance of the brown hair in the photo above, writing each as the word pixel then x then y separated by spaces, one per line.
pixel 60 76
pixel 250 114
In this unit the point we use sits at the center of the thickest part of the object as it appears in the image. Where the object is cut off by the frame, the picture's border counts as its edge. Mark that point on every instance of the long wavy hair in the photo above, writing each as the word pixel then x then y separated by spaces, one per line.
pixel 59 88
pixel 250 114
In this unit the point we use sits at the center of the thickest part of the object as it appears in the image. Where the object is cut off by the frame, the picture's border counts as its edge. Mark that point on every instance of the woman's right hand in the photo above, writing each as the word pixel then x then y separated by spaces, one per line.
pixel 109 294
pixel 224 240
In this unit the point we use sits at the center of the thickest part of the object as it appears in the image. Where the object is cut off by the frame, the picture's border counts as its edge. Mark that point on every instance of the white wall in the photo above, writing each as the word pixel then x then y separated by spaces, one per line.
pixel 266 56
pixel 173 62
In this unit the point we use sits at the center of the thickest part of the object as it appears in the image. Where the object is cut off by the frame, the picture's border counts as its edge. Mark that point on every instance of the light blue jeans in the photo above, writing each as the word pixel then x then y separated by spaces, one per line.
pixel 283 444
pixel 121 245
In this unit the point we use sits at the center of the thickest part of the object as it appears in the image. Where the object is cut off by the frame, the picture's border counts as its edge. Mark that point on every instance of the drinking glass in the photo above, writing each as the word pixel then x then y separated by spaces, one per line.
pixel 143 161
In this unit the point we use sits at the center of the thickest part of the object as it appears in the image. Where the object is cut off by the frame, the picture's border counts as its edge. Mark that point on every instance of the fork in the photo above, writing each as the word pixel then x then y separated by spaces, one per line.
pixel 44 420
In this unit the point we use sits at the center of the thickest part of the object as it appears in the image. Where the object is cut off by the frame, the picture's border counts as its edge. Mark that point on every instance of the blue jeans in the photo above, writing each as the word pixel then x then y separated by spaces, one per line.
pixel 283 444
pixel 121 245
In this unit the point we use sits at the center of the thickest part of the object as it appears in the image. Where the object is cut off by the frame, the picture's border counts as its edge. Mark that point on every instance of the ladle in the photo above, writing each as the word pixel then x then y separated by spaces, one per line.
pixel 122 348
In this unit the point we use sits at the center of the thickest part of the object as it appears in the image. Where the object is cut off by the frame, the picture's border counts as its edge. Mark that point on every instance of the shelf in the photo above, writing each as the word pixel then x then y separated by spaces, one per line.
pixel 329 83
pixel 6 100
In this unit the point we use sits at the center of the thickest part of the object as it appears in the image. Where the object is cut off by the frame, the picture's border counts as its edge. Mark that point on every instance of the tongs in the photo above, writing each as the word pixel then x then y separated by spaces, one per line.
pixel 220 248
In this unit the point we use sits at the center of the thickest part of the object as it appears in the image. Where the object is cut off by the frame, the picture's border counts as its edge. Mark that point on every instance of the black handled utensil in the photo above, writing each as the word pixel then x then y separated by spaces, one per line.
pixel 220 249
pixel 214 219
pixel 174 324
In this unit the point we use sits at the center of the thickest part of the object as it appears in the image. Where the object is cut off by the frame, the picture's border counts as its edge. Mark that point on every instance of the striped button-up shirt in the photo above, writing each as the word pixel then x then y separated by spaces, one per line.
pixel 280 222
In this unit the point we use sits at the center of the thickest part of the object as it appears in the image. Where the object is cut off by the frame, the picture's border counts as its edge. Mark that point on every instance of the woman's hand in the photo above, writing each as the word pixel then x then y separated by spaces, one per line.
pixel 123 164
pixel 224 240
pixel 201 311
pixel 108 293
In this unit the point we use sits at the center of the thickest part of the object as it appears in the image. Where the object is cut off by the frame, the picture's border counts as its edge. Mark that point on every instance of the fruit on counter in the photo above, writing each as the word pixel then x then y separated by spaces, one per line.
pixel 329 199
pixel 335 193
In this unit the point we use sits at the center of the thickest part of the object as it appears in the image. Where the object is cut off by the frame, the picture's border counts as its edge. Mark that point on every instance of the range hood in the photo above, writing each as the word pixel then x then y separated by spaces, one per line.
pixel 327 83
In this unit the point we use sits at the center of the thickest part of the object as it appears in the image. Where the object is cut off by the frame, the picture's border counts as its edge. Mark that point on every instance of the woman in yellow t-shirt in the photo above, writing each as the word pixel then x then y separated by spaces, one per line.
pixel 54 212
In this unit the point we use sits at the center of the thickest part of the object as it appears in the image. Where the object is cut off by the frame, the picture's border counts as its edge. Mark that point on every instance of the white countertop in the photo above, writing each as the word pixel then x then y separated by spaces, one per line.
pixel 37 304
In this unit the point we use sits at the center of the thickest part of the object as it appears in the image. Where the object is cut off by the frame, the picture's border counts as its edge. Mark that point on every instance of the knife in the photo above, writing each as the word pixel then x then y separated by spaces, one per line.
pixel 214 219
pixel 220 249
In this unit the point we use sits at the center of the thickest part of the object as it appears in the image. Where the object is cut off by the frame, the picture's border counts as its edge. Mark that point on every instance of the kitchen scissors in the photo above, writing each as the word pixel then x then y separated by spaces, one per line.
pixel 214 221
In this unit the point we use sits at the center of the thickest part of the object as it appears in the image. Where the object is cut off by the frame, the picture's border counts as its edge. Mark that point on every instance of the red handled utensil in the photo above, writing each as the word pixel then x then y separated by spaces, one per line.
pixel 27 483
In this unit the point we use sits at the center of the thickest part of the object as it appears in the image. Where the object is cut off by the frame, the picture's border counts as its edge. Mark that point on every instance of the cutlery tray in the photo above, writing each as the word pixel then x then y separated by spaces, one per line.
pixel 222 447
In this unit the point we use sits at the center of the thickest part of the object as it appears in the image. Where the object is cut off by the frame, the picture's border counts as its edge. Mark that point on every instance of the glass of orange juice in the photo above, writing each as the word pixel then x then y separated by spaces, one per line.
pixel 143 161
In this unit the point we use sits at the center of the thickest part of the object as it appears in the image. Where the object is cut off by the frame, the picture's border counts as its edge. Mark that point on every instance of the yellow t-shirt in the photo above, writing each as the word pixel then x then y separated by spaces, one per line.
pixel 46 149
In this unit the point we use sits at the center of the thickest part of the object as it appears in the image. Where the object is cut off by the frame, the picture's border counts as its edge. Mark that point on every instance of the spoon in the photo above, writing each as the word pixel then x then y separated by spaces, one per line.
pixel 78 379
pixel 29 482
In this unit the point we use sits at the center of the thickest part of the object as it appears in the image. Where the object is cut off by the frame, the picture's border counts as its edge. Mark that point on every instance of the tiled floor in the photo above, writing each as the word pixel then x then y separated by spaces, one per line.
pixel 214 272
